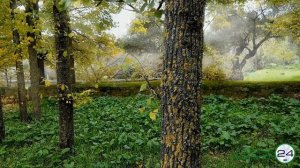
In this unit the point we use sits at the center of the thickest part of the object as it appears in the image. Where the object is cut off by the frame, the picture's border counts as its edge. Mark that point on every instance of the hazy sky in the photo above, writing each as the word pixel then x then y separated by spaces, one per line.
pixel 123 20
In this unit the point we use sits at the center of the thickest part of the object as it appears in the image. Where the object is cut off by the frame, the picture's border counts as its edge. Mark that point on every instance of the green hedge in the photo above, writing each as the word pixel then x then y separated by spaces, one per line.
pixel 229 88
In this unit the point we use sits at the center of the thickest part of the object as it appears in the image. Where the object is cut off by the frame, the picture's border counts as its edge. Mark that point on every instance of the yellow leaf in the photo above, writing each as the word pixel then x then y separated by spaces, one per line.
pixel 143 87
pixel 153 114
pixel 96 86
pixel 63 87
pixel 142 110
pixel 47 83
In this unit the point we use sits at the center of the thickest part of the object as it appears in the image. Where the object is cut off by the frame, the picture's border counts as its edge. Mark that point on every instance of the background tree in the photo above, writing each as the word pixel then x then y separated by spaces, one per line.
pixel 64 83
pixel 286 23
pixel 19 64
pixel 243 29
pixel 145 35
pixel 32 10
pixel 6 47
pixel 180 103
pixel 2 127
pixel 91 43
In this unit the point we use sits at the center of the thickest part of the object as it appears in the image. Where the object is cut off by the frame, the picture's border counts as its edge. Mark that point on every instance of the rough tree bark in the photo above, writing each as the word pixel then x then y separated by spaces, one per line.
pixel 181 97
pixel 2 128
pixel 63 52
pixel 31 19
pixel 19 66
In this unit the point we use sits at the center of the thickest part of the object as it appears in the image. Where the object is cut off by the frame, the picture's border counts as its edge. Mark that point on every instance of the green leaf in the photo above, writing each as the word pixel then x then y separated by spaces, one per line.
pixel 65 54
pixel 142 110
pixel 130 1
pixel 151 5
pixel 225 135
pixel 149 102
pixel 69 165
pixel 144 7
pixel 158 14
pixel 63 4
pixel 65 150
pixel 143 87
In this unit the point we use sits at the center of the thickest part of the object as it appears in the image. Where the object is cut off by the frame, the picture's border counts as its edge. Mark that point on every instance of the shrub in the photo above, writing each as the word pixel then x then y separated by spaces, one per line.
pixel 214 73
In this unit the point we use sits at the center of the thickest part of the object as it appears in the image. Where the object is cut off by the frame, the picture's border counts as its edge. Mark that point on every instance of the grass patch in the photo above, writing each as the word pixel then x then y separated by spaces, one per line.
pixel 274 75
pixel 118 132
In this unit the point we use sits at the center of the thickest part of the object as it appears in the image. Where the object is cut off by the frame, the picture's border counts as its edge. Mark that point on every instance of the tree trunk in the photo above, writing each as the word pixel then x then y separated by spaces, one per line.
pixel 41 66
pixel 181 97
pixel 259 61
pixel 72 70
pixel 237 70
pixel 2 128
pixel 6 78
pixel 63 52
pixel 19 67
pixel 31 19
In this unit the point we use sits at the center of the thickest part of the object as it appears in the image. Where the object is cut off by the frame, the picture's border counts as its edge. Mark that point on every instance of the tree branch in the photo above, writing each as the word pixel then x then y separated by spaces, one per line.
pixel 134 8
pixel 254 33
pixel 248 49
pixel 263 40
pixel 160 5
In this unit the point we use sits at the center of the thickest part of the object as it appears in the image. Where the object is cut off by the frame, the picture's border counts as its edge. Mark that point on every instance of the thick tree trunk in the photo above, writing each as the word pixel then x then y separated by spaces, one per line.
pixel 31 19
pixel 237 70
pixel 63 51
pixel 19 67
pixel 237 74
pixel 181 97
pixel 2 128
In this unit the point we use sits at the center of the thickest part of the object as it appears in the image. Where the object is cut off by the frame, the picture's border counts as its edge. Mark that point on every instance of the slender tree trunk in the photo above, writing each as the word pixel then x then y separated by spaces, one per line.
pixel 259 61
pixel 181 97
pixel 41 66
pixel 2 128
pixel 19 67
pixel 63 51
pixel 10 78
pixel 31 19
pixel 72 70
pixel 6 77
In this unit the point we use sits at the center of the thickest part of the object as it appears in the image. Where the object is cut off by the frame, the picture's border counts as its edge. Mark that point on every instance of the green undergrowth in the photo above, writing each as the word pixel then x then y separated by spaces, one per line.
pixel 122 132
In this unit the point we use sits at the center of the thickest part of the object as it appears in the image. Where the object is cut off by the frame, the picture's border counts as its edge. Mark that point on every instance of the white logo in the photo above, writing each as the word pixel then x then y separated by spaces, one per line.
pixel 285 153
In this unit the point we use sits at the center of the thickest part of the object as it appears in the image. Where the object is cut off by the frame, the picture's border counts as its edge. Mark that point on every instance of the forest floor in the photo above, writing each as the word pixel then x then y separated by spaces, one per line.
pixel 280 73
pixel 125 132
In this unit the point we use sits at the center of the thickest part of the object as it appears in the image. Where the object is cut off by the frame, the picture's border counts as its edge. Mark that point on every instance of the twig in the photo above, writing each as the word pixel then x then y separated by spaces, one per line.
pixel 149 86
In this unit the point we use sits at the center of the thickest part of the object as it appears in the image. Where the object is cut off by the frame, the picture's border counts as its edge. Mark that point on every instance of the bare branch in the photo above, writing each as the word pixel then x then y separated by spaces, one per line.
pixel 248 49
pixel 152 90
pixel 160 5
pixel 267 37
pixel 134 8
